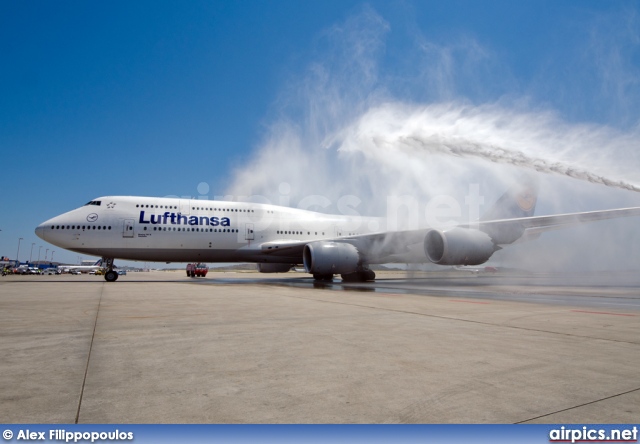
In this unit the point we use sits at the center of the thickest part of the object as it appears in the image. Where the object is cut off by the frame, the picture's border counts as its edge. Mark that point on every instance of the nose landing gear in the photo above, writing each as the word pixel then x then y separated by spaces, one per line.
pixel 110 275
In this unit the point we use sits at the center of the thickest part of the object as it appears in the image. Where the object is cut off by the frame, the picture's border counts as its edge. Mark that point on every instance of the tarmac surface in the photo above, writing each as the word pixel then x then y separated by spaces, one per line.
pixel 450 347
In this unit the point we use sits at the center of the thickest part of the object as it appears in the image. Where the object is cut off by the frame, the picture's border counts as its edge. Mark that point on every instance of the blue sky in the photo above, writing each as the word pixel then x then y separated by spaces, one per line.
pixel 155 98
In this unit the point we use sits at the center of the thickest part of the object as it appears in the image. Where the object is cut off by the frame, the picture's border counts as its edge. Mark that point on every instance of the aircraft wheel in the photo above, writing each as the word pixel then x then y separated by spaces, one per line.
pixel 368 275
pixel 359 276
pixel 351 277
pixel 111 276
pixel 323 277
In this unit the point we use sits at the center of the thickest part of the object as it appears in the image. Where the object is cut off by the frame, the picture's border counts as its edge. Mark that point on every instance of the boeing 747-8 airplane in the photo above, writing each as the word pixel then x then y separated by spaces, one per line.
pixel 279 238
pixel 83 268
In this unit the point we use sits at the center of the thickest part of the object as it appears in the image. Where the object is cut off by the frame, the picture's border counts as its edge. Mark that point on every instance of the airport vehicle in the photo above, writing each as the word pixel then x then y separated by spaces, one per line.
pixel 21 269
pixel 197 270
pixel 279 238
pixel 50 271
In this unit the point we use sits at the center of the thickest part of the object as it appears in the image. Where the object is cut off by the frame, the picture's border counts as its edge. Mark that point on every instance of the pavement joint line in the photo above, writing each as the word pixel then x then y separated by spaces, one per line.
pixel 465 320
pixel 579 405
pixel 86 369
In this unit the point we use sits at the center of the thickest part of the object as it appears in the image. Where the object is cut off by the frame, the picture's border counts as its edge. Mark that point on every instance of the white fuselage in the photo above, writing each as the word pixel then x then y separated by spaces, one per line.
pixel 185 230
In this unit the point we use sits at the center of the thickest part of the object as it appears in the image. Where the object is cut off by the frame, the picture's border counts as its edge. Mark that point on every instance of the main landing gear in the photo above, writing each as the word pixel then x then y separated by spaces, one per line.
pixel 323 277
pixel 358 276
pixel 109 275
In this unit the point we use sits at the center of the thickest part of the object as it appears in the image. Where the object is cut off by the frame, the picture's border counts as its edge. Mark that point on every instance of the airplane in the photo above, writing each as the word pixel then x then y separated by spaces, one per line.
pixel 279 238
pixel 83 268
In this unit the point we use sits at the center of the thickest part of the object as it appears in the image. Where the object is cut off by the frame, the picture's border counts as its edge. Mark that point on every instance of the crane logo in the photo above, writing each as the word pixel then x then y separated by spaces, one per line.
pixel 526 199
pixel 92 217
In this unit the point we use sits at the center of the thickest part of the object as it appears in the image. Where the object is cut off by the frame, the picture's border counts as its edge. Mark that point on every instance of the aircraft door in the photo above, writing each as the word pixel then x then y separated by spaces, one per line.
pixel 248 233
pixel 185 207
pixel 128 228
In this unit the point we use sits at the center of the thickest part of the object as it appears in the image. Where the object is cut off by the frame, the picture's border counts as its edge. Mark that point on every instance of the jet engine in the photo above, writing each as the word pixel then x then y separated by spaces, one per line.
pixel 274 268
pixel 458 246
pixel 326 258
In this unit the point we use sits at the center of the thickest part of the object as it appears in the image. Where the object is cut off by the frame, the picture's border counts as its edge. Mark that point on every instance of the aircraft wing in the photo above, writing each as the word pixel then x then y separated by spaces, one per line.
pixel 392 245
pixel 374 245
pixel 283 247
pixel 539 224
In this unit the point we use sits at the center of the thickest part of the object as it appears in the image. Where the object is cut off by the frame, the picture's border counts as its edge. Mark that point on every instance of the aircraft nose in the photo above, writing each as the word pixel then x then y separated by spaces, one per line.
pixel 40 231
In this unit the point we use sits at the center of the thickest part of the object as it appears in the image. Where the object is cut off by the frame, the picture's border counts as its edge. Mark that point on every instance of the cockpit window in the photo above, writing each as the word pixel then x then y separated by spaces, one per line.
pixel 94 202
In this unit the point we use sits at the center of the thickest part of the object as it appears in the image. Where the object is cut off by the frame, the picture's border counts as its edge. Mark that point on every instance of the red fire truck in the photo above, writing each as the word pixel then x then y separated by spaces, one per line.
pixel 197 270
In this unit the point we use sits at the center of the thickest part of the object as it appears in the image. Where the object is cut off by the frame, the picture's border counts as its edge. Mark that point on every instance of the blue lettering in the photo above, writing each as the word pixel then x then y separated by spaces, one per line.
pixel 180 219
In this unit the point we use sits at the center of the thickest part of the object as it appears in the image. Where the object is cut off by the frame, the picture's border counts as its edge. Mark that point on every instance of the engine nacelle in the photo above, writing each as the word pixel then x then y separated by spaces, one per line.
pixel 458 246
pixel 274 268
pixel 330 258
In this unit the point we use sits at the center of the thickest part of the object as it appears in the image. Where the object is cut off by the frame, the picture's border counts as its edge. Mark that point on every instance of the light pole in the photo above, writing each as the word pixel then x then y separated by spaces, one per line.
pixel 32 244
pixel 52 256
pixel 18 253
pixel 46 253
pixel 39 250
